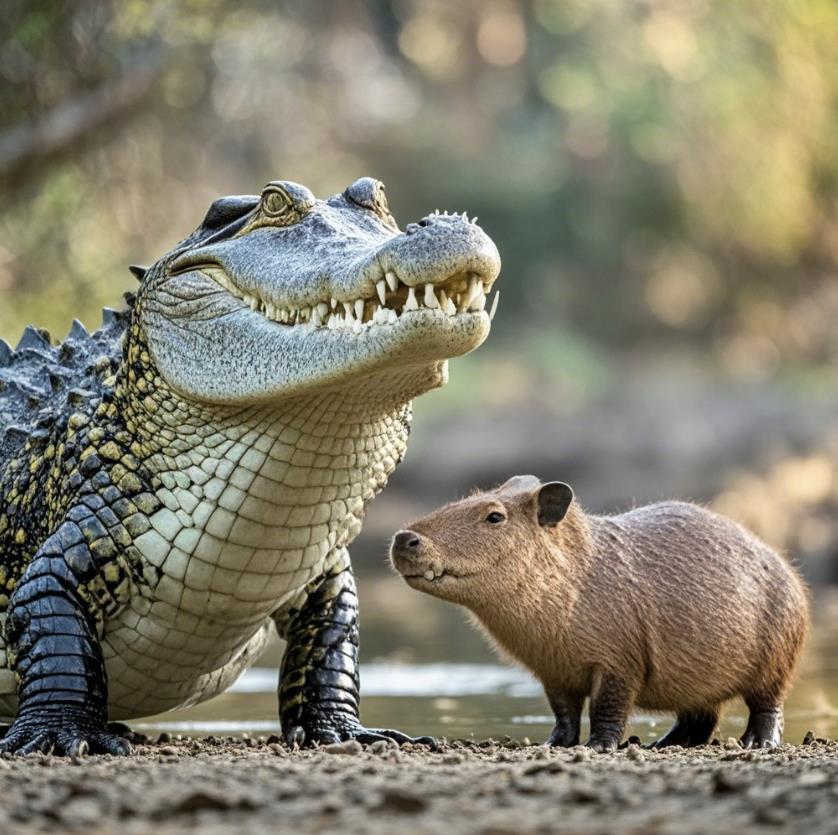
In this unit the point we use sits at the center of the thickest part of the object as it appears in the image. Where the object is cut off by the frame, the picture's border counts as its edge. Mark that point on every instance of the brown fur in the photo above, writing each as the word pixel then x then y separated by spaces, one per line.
pixel 676 607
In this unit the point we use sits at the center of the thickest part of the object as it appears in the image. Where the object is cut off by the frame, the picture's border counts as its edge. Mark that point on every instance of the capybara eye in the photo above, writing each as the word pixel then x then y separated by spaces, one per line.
pixel 495 518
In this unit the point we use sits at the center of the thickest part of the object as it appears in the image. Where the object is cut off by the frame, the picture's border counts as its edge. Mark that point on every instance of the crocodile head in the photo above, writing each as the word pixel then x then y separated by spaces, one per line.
pixel 276 295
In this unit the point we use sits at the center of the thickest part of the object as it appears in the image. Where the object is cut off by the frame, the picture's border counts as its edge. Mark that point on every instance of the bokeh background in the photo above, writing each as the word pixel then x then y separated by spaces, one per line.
pixel 660 176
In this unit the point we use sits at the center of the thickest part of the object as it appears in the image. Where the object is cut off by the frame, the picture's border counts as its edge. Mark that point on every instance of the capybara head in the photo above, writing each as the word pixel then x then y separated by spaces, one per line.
pixel 464 550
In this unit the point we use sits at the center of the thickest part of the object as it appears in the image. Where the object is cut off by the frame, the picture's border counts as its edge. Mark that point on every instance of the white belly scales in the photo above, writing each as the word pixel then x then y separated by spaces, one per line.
pixel 240 536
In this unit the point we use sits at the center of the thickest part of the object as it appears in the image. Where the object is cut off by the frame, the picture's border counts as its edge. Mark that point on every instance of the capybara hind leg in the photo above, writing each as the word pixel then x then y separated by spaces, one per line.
pixel 567 709
pixel 611 702
pixel 690 729
pixel 765 728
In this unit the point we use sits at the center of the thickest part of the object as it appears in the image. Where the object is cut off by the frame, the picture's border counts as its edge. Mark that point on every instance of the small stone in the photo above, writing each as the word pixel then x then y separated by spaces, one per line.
pixel 809 738
pixel 732 744
pixel 452 759
pixel 552 767
pixel 812 778
pixel 80 812
pixel 381 746
pixel 581 754
pixel 168 751
pixel 203 800
pixel 633 752
pixel 164 737
pixel 349 748
pixel 724 782
pixel 584 793
pixel 772 815
pixel 395 799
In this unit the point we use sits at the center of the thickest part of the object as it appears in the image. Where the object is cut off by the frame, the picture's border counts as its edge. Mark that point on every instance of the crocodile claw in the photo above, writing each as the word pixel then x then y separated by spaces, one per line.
pixel 64 737
pixel 340 730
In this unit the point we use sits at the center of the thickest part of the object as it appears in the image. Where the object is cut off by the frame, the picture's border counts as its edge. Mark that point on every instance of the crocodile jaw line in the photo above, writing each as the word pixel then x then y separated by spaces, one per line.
pixel 454 296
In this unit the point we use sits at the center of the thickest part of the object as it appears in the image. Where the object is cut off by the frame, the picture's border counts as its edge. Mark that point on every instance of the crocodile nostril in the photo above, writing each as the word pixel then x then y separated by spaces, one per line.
pixel 424 222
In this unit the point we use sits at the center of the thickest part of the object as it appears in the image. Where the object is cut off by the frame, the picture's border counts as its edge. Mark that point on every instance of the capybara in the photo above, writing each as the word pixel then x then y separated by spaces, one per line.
pixel 668 607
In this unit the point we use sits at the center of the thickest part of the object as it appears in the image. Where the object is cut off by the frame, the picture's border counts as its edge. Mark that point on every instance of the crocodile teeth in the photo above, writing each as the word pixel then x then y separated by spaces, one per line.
pixel 475 286
pixel 363 312
pixel 411 303
pixel 494 305
pixel 429 575
pixel 478 303
pixel 430 297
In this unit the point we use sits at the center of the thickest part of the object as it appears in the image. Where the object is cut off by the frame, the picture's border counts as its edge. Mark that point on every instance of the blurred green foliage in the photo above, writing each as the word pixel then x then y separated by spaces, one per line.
pixel 657 175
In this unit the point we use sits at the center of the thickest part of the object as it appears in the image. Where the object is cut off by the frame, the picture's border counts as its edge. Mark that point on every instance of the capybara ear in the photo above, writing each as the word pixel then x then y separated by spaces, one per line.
pixel 519 483
pixel 554 499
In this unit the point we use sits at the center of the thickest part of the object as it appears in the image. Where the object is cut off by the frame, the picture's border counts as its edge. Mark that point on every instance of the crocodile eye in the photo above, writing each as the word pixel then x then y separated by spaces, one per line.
pixel 369 194
pixel 495 518
pixel 275 202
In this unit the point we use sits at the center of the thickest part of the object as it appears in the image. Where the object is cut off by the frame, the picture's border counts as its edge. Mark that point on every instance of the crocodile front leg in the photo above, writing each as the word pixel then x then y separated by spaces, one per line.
pixel 318 681
pixel 53 648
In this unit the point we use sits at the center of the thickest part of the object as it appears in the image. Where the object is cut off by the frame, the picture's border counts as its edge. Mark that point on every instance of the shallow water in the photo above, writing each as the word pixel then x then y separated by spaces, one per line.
pixel 449 685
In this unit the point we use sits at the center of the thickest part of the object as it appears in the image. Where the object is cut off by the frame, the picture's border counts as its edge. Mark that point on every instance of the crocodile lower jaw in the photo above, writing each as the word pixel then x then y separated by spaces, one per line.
pixel 457 295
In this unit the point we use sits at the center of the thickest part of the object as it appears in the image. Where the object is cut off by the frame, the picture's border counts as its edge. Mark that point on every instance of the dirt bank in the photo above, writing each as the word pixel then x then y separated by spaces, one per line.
pixel 216 786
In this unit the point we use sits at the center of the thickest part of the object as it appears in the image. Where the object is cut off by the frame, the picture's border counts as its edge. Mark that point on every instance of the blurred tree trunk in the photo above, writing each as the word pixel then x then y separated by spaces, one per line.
pixel 26 149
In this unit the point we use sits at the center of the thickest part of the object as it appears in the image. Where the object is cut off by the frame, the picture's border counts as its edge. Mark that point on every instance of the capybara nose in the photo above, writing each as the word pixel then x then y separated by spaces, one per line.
pixel 406 543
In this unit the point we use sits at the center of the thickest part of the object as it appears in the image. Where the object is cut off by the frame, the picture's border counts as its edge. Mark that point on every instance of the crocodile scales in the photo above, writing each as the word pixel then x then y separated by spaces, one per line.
pixel 187 478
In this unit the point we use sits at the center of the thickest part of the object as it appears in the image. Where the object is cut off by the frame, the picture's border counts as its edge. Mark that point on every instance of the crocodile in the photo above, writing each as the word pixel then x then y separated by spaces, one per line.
pixel 186 479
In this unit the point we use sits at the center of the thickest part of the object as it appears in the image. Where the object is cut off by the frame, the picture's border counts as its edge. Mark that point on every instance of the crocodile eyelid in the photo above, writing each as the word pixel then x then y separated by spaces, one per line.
pixel 276 202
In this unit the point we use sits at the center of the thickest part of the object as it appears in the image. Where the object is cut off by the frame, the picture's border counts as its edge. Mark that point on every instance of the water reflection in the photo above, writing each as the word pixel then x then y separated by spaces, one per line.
pixel 458 699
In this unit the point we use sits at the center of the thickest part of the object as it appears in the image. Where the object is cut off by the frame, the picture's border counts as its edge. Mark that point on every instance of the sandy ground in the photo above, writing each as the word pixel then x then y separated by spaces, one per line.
pixel 495 788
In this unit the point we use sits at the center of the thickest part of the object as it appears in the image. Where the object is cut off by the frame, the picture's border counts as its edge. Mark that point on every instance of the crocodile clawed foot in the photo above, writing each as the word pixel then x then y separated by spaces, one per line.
pixel 64 737
pixel 340 730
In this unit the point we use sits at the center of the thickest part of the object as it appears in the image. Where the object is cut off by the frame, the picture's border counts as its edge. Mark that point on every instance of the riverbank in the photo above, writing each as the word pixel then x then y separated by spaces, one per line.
pixel 248 786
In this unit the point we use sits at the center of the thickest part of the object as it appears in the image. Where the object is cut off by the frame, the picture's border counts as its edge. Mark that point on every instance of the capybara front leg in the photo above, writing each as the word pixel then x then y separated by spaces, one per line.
pixel 765 728
pixel 611 702
pixel 567 708
pixel 690 729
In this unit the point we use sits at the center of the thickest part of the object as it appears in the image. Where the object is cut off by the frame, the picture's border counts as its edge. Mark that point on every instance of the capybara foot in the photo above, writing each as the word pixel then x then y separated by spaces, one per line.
pixel 563 736
pixel 602 744
pixel 765 729
pixel 690 729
